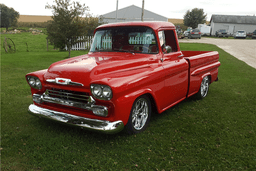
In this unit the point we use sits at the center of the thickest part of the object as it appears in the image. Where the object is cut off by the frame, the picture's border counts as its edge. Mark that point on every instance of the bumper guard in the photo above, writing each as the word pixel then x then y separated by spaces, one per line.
pixel 91 124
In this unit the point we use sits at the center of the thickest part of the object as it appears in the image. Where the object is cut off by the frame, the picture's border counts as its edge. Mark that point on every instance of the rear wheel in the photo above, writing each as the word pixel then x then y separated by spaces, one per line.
pixel 139 116
pixel 204 88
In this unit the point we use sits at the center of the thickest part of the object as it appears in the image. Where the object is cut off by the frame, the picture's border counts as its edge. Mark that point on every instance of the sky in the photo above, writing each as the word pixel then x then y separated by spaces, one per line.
pixel 167 8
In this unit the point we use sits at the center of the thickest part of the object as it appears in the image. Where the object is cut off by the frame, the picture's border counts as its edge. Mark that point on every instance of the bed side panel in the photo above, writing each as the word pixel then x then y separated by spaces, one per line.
pixel 201 65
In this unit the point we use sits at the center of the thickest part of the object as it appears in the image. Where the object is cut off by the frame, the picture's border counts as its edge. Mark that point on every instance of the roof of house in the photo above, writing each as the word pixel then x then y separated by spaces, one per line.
pixel 133 13
pixel 235 19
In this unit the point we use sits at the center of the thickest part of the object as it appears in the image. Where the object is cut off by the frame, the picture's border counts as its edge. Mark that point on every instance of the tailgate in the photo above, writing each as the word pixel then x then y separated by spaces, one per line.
pixel 201 63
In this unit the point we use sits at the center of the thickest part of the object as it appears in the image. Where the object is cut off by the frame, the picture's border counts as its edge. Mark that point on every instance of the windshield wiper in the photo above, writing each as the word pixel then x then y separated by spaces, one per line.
pixel 122 50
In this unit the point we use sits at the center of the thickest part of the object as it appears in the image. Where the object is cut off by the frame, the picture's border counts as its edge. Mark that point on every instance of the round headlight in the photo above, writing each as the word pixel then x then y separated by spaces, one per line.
pixel 38 83
pixel 32 81
pixel 107 92
pixel 102 92
pixel 97 90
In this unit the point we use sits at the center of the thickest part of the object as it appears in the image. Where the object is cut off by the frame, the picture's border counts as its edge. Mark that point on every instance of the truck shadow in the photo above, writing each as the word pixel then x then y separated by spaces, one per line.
pixel 174 111
pixel 60 129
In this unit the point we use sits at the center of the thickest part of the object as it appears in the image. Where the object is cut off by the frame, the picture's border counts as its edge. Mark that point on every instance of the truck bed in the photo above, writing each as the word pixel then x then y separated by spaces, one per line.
pixel 201 63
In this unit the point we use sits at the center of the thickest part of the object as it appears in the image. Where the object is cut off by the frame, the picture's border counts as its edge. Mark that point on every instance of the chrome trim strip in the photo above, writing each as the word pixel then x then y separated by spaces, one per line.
pixel 64 81
pixel 91 124
pixel 50 80
pixel 68 95
pixel 90 105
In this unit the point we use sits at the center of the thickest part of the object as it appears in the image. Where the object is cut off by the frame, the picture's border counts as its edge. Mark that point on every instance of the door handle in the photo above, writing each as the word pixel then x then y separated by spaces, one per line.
pixel 180 56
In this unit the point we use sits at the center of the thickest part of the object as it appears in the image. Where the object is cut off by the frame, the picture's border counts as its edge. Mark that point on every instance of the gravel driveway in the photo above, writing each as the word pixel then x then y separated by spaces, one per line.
pixel 244 50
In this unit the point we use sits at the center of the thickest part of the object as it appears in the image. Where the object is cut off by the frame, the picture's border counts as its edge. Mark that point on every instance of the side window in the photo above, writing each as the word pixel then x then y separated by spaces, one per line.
pixel 171 40
pixel 167 41
pixel 161 36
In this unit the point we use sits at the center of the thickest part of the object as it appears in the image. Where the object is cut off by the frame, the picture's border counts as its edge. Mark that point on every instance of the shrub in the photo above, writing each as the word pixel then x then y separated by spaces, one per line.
pixel 33 24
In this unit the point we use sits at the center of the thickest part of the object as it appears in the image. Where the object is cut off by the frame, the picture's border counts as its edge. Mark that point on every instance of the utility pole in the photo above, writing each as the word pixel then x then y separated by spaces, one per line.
pixel 142 14
pixel 116 9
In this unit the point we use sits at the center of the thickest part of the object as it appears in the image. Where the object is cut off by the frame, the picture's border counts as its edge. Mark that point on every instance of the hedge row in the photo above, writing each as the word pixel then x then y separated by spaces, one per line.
pixel 32 24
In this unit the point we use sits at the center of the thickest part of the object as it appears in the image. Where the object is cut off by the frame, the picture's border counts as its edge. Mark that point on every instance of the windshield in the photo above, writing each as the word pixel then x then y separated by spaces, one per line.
pixel 125 39
pixel 195 30
pixel 223 31
pixel 240 31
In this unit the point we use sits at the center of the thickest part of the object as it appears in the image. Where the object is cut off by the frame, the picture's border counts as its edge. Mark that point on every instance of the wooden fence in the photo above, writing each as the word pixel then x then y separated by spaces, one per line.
pixel 83 45
pixel 103 42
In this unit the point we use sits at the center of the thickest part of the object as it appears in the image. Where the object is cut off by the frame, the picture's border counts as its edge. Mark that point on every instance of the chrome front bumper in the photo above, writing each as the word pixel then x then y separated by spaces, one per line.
pixel 91 124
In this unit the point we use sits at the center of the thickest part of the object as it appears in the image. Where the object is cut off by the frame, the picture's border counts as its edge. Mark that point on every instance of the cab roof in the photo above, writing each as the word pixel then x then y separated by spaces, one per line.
pixel 155 25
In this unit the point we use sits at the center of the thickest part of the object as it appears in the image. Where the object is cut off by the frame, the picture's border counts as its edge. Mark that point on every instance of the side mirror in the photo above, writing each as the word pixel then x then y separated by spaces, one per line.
pixel 167 49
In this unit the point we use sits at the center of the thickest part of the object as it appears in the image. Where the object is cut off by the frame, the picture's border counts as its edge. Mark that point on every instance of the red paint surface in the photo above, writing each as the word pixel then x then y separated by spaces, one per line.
pixel 167 78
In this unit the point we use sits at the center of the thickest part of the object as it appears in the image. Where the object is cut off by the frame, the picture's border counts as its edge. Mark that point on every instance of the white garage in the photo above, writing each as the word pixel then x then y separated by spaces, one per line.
pixel 232 23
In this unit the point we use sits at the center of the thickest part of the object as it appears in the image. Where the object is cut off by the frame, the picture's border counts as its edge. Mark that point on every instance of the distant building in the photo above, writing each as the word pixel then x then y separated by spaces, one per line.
pixel 131 13
pixel 232 23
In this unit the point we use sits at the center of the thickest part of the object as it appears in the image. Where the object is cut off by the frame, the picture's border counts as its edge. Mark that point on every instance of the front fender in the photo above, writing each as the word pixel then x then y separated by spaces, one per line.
pixel 40 75
pixel 123 104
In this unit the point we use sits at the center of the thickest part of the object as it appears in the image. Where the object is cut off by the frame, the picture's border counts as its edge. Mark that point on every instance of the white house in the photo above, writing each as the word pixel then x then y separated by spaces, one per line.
pixel 232 23
pixel 131 13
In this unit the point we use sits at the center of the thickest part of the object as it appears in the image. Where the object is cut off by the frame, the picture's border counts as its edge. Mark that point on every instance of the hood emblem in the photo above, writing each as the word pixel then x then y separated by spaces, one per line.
pixel 63 81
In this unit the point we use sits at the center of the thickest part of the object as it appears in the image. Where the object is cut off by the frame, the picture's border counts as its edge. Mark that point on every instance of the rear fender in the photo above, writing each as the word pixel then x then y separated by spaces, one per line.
pixel 196 84
pixel 204 75
pixel 201 78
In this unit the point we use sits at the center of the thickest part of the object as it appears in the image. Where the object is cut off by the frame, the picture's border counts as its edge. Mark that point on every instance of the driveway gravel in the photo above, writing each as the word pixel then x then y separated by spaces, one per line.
pixel 242 49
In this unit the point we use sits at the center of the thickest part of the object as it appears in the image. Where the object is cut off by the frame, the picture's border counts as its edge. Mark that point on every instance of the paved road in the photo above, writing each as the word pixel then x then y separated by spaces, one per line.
pixel 244 50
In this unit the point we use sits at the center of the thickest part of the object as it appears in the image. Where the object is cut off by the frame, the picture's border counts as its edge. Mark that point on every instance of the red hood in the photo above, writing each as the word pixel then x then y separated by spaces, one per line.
pixel 97 66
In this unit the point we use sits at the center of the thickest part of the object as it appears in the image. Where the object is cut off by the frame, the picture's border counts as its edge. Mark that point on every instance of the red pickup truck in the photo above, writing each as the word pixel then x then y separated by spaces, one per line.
pixel 131 69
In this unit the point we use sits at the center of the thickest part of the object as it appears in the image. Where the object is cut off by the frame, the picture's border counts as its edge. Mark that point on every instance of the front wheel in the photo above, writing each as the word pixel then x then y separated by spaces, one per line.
pixel 204 88
pixel 139 115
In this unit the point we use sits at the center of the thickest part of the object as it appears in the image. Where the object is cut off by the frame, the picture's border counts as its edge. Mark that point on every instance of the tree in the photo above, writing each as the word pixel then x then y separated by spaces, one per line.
pixel 9 17
pixel 68 23
pixel 92 24
pixel 194 17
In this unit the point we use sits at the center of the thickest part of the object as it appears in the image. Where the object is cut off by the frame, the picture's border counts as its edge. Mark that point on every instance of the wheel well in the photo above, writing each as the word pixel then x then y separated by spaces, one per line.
pixel 209 76
pixel 210 79
pixel 153 102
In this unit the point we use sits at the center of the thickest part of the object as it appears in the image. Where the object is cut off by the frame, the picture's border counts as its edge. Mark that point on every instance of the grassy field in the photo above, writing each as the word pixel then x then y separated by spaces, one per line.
pixel 26 41
pixel 216 133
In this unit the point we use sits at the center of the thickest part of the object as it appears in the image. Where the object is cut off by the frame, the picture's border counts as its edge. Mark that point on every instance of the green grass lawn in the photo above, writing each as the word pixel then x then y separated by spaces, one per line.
pixel 216 133
pixel 27 42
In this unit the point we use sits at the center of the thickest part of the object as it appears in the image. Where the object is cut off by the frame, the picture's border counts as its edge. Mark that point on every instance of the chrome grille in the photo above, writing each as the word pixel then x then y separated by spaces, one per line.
pixel 68 95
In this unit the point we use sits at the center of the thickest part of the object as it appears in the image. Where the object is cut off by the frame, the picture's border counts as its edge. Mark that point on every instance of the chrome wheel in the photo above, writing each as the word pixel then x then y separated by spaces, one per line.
pixel 204 86
pixel 140 114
